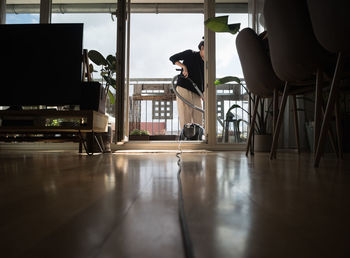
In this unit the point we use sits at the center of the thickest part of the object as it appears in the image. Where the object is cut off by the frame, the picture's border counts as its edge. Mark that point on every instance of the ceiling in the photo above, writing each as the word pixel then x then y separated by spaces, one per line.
pixel 114 1
pixel 137 6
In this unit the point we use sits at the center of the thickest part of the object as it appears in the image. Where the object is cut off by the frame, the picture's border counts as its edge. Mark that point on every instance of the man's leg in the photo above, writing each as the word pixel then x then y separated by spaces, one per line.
pixel 197 115
pixel 184 111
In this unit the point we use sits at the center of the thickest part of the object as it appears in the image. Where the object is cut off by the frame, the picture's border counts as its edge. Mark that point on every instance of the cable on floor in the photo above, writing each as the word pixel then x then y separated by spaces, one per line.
pixel 186 238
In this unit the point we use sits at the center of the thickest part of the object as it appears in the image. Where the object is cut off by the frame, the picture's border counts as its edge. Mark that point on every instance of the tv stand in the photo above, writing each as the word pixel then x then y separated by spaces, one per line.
pixel 43 124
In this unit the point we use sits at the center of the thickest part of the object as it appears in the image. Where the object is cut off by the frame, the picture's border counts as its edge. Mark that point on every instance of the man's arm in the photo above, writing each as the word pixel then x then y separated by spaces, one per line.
pixel 175 59
pixel 183 67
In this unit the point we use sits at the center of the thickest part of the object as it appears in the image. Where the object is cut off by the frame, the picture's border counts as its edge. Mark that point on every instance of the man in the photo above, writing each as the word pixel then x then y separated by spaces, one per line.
pixel 192 66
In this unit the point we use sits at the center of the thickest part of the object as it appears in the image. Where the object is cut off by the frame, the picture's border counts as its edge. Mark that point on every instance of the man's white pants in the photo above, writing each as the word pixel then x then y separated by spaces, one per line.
pixel 186 113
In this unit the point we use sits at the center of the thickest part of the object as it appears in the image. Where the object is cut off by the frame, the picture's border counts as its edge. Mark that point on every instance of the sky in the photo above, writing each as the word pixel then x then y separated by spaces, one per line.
pixel 154 38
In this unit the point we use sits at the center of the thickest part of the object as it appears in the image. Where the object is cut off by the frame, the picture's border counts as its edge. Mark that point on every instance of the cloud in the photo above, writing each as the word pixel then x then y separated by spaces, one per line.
pixel 154 38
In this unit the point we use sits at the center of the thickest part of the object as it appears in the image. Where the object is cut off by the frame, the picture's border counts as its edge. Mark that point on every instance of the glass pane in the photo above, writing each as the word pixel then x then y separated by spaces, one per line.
pixel 23 18
pixel 100 35
pixel 152 101
pixel 232 98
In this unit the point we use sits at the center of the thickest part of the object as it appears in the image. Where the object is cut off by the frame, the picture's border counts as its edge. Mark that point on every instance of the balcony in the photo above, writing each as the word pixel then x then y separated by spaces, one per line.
pixel 153 108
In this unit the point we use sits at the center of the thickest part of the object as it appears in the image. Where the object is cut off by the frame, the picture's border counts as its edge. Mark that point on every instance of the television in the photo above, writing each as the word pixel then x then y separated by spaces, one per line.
pixel 41 64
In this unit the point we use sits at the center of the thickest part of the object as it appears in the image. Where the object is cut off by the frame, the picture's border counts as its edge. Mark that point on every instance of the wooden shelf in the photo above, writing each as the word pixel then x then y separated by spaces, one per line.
pixel 41 121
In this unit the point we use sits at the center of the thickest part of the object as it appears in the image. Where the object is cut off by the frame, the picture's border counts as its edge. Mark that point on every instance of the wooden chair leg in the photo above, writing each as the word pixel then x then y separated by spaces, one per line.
pixel 274 109
pixel 252 125
pixel 80 146
pixel 338 128
pixel 331 138
pixel 318 108
pixel 279 121
pixel 275 112
pixel 330 132
pixel 296 123
pixel 329 109
pixel 250 108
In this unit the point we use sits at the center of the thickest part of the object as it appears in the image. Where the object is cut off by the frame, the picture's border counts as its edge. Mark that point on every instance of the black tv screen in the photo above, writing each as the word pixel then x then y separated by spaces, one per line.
pixel 40 64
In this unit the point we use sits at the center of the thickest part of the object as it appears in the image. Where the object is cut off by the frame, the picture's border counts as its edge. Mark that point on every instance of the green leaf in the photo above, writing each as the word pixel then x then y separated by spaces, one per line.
pixel 112 61
pixel 238 121
pixel 144 132
pixel 111 97
pixel 242 120
pixel 110 81
pixel 135 132
pixel 113 82
pixel 233 107
pixel 227 79
pixel 220 24
pixel 234 27
pixel 139 132
pixel 229 115
pixel 236 106
pixel 97 58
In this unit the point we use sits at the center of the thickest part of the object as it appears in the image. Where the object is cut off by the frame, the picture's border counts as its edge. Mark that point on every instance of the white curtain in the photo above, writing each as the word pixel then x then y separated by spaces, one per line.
pixel 255 17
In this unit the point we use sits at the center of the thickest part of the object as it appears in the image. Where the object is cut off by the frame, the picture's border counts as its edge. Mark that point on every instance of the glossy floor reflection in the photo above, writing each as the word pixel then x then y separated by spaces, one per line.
pixel 61 204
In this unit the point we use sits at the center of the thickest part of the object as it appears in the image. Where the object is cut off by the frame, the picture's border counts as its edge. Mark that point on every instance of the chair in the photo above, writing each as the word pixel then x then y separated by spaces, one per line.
pixel 296 56
pixel 331 26
pixel 259 75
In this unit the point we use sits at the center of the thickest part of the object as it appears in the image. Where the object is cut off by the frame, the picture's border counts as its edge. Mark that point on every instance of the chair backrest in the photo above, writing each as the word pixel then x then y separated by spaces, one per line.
pixel 294 49
pixel 331 23
pixel 256 65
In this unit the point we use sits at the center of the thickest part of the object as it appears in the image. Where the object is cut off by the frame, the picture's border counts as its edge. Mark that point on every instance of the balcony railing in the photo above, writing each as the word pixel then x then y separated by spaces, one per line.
pixel 153 108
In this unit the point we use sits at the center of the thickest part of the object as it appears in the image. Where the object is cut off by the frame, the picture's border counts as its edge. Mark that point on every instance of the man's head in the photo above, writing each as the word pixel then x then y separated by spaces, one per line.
pixel 201 49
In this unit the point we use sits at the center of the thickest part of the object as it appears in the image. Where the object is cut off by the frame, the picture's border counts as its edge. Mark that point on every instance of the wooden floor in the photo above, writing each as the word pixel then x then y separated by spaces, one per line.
pixel 62 204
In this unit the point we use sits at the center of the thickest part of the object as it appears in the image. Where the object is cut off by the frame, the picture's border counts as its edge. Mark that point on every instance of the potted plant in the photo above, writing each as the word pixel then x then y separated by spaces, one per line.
pixel 262 131
pixel 107 71
pixel 262 134
pixel 139 135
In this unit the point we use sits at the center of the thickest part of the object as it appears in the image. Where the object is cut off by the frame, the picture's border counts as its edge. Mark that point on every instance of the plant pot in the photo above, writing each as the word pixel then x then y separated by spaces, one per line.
pixel 138 137
pixel 163 137
pixel 262 143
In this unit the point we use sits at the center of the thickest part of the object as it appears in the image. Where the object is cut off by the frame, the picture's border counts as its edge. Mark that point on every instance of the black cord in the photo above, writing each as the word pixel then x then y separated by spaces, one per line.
pixel 186 238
